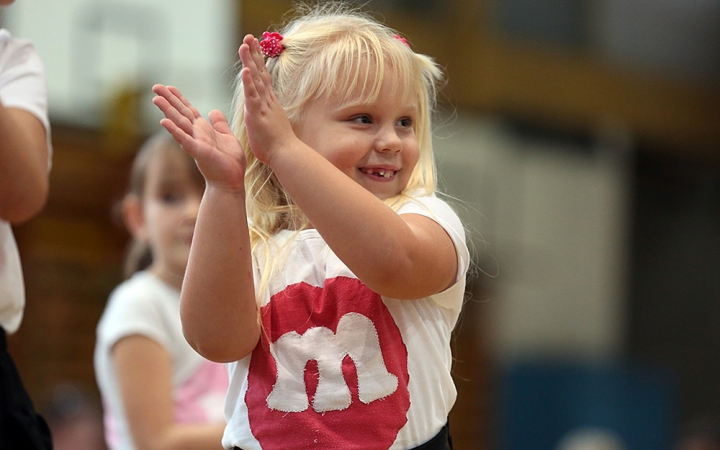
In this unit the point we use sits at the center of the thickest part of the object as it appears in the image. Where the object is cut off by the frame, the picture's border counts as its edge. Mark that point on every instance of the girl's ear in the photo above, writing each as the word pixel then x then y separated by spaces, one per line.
pixel 133 217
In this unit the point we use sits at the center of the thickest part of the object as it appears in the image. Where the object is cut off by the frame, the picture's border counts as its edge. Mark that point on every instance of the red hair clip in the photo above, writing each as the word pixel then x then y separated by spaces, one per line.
pixel 402 39
pixel 270 44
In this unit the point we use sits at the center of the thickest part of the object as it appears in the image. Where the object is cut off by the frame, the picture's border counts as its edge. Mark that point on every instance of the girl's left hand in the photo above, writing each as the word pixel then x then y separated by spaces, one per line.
pixel 212 144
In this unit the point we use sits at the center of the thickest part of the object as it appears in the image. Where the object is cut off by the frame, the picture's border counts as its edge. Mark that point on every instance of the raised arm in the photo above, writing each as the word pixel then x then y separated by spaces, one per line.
pixel 401 256
pixel 23 165
pixel 218 308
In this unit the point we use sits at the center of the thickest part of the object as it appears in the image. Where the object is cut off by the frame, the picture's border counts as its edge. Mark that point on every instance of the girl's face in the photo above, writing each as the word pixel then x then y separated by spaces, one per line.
pixel 170 203
pixel 374 144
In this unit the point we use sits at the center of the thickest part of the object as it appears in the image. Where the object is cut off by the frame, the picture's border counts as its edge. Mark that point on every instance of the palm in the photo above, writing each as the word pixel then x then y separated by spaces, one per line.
pixel 218 154
pixel 211 143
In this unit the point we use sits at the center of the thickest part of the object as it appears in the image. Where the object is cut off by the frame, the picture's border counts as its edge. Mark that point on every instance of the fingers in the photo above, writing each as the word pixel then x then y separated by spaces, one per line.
pixel 180 115
pixel 177 100
pixel 245 50
pixel 173 115
pixel 249 86
pixel 245 53
pixel 257 56
pixel 219 122
pixel 175 106
pixel 188 109
pixel 256 76
pixel 181 137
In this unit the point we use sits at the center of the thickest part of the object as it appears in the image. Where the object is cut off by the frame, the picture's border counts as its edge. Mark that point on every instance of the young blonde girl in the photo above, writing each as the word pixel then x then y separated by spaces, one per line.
pixel 157 391
pixel 323 268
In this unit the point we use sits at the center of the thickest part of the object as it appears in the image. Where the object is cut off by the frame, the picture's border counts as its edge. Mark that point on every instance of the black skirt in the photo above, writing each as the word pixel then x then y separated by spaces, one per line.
pixel 21 428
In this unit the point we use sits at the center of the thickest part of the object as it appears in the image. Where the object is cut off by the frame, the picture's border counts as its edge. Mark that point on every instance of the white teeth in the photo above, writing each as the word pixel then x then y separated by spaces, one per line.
pixel 380 173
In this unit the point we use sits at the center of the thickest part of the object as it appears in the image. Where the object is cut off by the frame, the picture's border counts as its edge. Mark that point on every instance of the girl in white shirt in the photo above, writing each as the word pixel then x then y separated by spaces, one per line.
pixel 324 269
pixel 157 391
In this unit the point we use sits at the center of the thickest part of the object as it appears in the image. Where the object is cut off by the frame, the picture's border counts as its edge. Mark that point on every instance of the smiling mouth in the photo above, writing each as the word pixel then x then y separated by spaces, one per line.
pixel 383 173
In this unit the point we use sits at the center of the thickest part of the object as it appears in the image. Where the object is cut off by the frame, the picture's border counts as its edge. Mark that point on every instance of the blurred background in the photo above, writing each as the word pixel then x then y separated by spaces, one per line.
pixel 579 140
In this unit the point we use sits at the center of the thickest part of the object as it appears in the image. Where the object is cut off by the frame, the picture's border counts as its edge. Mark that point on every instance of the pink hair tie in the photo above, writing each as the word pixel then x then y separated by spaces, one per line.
pixel 402 39
pixel 270 44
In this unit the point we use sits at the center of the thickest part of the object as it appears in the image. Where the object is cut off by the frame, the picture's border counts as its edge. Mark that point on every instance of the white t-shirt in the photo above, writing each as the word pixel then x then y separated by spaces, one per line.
pixel 144 305
pixel 22 85
pixel 340 367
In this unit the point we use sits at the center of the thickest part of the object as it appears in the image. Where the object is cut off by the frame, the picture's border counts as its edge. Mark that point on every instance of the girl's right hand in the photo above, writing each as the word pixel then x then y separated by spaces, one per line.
pixel 267 124
pixel 212 144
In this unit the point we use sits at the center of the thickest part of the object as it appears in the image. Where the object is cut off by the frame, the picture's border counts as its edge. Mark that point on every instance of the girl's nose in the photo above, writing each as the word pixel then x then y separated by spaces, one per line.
pixel 388 140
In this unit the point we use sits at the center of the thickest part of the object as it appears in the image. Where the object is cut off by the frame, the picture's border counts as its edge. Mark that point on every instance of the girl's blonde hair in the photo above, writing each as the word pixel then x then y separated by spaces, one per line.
pixel 334 50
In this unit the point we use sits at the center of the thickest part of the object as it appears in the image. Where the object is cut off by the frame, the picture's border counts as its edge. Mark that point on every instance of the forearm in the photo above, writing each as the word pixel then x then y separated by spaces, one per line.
pixel 23 165
pixel 218 307
pixel 144 370
pixel 385 250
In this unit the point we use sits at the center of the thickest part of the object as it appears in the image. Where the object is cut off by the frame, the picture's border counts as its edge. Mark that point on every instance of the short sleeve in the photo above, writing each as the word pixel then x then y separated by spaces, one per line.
pixel 439 211
pixel 134 309
pixel 22 80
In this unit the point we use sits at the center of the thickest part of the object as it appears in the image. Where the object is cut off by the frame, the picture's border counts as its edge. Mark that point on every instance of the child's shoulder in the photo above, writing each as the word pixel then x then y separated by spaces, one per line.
pixel 429 205
pixel 142 284
pixel 142 294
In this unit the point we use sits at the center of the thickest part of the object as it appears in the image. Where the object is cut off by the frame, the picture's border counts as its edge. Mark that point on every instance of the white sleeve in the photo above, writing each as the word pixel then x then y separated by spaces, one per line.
pixel 439 211
pixel 22 80
pixel 133 309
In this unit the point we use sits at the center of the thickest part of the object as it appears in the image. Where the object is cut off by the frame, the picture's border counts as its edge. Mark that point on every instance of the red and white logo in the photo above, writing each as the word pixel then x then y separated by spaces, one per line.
pixel 330 370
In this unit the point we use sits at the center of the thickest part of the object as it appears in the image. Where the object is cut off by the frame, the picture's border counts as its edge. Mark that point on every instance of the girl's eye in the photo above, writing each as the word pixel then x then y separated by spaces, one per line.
pixel 170 197
pixel 405 122
pixel 362 118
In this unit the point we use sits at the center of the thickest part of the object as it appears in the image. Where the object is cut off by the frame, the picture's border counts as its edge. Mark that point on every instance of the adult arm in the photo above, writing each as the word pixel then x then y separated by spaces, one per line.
pixel 23 165
pixel 144 371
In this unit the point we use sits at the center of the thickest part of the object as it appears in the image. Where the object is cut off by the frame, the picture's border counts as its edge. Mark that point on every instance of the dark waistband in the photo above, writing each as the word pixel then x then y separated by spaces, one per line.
pixel 441 441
